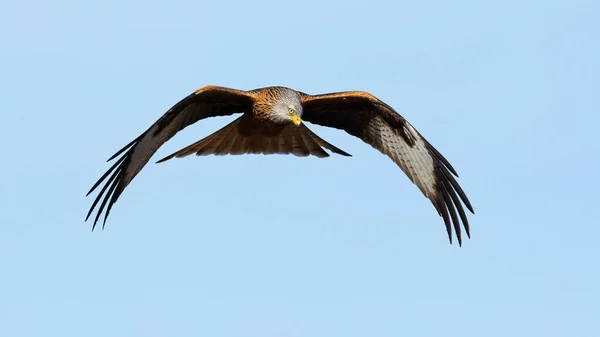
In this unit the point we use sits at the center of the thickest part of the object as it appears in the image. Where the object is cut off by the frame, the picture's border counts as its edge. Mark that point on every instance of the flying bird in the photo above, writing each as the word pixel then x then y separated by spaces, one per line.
pixel 271 122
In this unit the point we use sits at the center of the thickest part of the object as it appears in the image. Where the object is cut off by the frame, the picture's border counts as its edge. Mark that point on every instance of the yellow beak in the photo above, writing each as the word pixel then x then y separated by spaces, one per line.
pixel 296 119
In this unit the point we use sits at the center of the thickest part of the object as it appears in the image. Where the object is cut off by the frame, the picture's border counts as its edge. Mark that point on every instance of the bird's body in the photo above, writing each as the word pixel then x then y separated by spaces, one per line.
pixel 271 123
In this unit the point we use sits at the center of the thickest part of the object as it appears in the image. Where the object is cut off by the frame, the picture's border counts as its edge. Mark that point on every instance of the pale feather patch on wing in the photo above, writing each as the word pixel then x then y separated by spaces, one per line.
pixel 148 145
pixel 426 168
pixel 415 161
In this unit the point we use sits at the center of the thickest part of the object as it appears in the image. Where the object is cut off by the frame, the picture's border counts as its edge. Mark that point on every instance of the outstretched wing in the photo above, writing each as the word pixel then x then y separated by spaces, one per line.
pixel 208 101
pixel 376 123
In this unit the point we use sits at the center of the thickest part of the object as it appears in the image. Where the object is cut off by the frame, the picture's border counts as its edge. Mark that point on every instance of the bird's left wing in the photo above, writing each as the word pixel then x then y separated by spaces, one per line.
pixel 364 116
pixel 208 101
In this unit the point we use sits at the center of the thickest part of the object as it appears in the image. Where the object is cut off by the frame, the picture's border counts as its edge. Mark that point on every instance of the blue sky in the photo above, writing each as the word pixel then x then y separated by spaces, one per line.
pixel 506 90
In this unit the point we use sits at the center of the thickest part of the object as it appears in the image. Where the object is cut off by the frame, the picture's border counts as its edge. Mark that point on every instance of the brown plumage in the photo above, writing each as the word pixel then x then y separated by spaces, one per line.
pixel 271 124
pixel 248 135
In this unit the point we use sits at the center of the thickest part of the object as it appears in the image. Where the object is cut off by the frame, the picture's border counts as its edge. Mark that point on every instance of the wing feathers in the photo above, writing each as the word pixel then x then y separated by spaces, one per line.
pixel 452 210
pixel 320 142
pixel 456 186
pixel 439 156
pixel 205 102
pixel 117 163
pixel 458 205
pixel 108 183
pixel 363 115
pixel 124 148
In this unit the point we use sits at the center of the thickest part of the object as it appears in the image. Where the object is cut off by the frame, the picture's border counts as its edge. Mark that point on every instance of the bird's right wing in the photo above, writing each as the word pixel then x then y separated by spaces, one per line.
pixel 208 101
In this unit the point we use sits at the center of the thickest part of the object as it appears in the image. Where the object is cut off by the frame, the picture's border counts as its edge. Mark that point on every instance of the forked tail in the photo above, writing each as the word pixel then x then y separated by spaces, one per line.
pixel 248 136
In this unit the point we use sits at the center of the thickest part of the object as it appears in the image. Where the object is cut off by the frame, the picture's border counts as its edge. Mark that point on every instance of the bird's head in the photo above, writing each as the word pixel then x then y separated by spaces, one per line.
pixel 295 115
pixel 288 108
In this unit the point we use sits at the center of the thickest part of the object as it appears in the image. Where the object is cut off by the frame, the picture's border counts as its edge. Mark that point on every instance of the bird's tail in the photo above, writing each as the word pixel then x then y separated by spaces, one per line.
pixel 248 136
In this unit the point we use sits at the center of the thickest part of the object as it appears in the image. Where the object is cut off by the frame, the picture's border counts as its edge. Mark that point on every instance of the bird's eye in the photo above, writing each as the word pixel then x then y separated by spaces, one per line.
pixel 290 111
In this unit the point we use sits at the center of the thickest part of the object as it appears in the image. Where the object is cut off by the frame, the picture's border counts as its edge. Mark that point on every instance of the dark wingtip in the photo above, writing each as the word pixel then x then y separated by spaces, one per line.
pixel 114 179
pixel 125 147
pixel 468 204
pixel 339 151
pixel 163 160
pixel 94 225
pixel 443 210
pixel 106 174
pixel 336 150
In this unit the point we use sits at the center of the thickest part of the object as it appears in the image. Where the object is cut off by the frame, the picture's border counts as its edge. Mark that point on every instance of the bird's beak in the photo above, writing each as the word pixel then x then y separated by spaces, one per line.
pixel 297 120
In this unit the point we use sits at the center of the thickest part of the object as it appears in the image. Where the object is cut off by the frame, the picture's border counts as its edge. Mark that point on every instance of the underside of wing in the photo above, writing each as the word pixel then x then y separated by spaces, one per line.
pixel 362 115
pixel 209 101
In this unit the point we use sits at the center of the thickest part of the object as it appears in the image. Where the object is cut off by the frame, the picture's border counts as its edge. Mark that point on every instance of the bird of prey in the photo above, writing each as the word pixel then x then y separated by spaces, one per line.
pixel 271 122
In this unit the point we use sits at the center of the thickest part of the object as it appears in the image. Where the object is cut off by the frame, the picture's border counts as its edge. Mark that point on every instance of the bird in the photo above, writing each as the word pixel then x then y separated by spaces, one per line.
pixel 272 121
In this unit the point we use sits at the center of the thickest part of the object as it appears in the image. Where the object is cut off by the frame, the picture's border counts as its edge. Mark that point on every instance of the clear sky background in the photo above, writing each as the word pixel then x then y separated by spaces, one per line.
pixel 508 91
